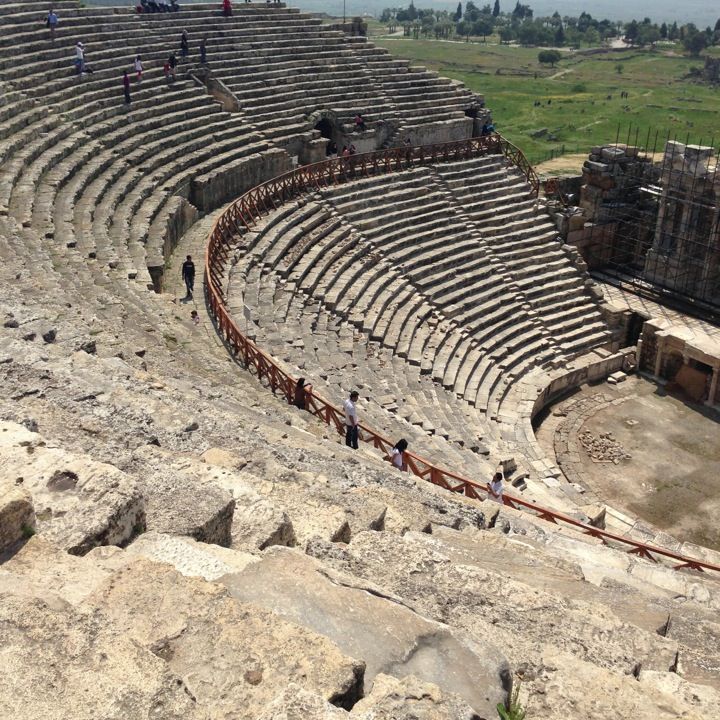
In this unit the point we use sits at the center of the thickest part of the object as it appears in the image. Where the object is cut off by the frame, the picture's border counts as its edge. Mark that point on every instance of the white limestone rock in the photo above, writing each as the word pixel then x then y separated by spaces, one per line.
pixel 44 570
pixel 79 503
pixel 17 515
pixel 182 496
pixel 373 626
pixel 411 699
pixel 61 662
pixel 258 521
pixel 190 557
pixel 389 699
pixel 234 658
pixel 295 703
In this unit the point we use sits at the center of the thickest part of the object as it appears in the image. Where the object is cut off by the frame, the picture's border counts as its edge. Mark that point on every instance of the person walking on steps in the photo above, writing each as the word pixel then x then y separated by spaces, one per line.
pixel 172 62
pixel 397 455
pixel 351 420
pixel 79 57
pixel 52 23
pixel 203 52
pixel 138 68
pixel 126 86
pixel 227 8
pixel 188 275
pixel 184 46
pixel 495 488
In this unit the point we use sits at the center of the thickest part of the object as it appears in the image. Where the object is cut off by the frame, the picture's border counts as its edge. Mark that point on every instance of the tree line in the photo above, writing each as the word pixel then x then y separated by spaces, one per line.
pixel 521 26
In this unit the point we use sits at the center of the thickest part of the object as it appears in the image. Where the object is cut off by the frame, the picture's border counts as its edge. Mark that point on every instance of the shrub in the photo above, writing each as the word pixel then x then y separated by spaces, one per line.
pixel 513 711
pixel 549 57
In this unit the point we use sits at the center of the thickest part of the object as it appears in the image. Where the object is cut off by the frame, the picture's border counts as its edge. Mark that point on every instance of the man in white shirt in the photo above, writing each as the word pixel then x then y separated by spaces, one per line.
pixel 80 57
pixel 351 420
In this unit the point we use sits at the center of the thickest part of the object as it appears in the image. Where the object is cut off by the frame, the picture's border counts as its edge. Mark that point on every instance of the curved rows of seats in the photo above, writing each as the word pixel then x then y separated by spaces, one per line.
pixel 496 201
pixel 109 181
pixel 393 271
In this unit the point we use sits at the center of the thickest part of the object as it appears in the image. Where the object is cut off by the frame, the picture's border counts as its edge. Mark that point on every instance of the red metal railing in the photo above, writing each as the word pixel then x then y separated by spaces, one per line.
pixel 241 216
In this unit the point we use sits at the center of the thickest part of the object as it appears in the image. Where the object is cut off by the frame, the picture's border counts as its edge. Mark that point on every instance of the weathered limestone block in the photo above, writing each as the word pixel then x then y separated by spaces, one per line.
pixel 428 571
pixel 421 507
pixel 298 704
pixel 190 557
pixel 315 517
pixel 182 497
pixel 582 690
pixel 389 699
pixel 411 699
pixel 44 570
pixel 223 458
pixel 368 624
pixel 258 521
pixel 79 503
pixel 65 663
pixel 17 515
pixel 234 658
pixel 705 699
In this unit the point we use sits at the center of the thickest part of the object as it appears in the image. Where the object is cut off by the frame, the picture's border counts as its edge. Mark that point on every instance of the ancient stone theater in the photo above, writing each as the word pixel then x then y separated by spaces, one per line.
pixel 234 237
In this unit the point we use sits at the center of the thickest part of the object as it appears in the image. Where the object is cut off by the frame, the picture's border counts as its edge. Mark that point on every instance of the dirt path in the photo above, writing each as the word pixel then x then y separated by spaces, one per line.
pixel 564 165
pixel 560 73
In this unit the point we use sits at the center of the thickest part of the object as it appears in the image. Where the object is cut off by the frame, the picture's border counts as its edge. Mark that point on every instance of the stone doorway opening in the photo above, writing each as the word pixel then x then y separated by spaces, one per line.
pixel 326 129
pixel 634 329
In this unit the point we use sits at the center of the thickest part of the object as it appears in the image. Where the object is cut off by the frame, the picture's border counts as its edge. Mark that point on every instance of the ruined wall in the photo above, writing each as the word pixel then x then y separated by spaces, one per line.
pixel 711 71
pixel 211 190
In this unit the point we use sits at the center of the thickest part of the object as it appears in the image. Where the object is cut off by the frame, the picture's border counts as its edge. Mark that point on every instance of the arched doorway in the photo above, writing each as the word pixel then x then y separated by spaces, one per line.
pixel 325 127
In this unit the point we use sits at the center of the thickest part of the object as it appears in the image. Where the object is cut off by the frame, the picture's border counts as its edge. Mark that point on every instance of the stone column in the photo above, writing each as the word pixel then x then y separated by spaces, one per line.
pixel 713 386
pixel 658 355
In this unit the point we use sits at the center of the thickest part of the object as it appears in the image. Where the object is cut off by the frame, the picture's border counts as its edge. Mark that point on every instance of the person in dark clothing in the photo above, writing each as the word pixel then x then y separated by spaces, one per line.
pixel 227 8
pixel 301 390
pixel 184 45
pixel 188 275
pixel 172 62
pixel 203 52
pixel 126 87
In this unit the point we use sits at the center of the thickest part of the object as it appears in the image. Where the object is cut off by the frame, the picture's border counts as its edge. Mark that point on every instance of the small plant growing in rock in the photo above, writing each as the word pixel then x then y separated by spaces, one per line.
pixel 514 710
pixel 27 531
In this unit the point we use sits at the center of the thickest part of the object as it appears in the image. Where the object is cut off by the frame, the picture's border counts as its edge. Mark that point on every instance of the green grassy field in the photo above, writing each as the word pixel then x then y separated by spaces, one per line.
pixel 584 93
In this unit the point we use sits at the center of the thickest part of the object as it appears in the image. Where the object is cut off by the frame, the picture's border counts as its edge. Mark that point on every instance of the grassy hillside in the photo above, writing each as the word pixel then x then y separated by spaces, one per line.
pixel 583 89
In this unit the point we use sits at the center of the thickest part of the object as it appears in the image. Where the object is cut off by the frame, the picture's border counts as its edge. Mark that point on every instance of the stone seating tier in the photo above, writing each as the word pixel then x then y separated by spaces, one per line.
pixel 430 294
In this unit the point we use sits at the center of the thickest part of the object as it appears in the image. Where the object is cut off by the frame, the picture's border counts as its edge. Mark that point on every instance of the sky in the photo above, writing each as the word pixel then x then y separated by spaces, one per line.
pixel 700 12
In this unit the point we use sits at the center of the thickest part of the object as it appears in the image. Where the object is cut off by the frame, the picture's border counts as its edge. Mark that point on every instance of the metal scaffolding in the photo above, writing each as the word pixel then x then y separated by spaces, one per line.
pixel 657 227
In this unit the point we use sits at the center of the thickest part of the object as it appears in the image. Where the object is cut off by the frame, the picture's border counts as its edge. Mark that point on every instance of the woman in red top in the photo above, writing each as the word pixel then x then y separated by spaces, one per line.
pixel 227 8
